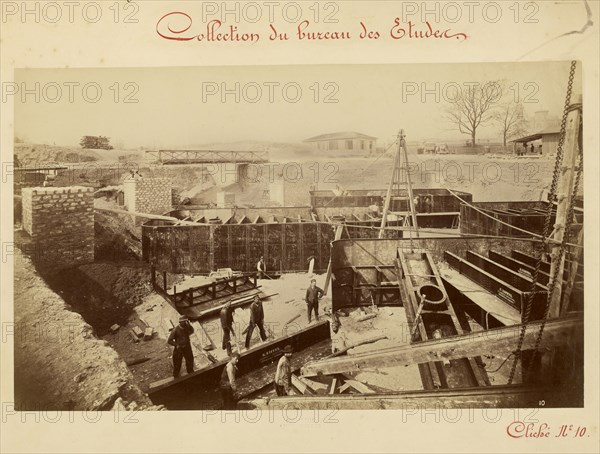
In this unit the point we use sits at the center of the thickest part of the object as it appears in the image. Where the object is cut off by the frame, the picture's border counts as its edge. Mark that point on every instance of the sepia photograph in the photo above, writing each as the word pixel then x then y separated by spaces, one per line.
pixel 340 226
pixel 308 237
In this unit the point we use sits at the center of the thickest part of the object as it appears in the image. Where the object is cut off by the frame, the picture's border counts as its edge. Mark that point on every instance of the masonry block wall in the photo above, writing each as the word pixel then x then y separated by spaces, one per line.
pixel 60 222
pixel 148 195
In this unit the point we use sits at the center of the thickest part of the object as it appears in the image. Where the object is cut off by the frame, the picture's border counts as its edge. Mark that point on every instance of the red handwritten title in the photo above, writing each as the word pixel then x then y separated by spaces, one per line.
pixel 519 429
pixel 179 26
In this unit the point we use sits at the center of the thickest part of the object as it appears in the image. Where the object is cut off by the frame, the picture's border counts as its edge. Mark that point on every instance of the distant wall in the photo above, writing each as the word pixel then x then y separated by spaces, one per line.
pixel 380 253
pixel 329 204
pixel 191 249
pixel 60 222
pixel 529 216
pixel 368 252
pixel 265 213
pixel 148 195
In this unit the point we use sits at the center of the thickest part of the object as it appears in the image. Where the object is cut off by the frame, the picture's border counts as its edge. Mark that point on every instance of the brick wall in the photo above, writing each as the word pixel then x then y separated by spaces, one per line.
pixel 148 195
pixel 60 222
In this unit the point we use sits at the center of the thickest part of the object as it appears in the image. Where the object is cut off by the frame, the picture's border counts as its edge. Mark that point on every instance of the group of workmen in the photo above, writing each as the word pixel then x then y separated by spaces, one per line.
pixel 180 340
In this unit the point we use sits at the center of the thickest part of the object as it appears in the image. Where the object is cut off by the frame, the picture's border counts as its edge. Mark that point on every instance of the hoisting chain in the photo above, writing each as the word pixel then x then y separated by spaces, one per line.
pixel 547 223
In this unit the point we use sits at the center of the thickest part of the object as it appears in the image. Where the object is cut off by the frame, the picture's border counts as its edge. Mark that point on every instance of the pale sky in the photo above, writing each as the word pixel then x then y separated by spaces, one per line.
pixel 176 106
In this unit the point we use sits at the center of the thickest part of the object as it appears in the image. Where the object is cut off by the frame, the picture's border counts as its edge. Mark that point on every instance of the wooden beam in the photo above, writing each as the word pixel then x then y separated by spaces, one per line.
pixel 572 275
pixel 504 396
pixel 357 344
pixel 313 385
pixel 147 216
pixel 338 235
pixel 558 332
pixel 360 387
pixel 333 385
pixel 301 386
pixel 343 388
pixel 205 340
pixel 564 195
pixel 235 304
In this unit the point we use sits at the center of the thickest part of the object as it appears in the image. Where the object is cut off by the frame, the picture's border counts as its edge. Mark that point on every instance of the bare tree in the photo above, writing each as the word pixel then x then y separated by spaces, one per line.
pixel 511 120
pixel 473 106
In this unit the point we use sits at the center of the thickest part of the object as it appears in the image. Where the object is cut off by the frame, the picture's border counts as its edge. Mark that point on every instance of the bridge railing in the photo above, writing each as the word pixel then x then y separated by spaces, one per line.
pixel 205 156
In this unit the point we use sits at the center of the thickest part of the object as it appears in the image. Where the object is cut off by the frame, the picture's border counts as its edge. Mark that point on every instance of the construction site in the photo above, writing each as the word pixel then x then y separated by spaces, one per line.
pixel 435 291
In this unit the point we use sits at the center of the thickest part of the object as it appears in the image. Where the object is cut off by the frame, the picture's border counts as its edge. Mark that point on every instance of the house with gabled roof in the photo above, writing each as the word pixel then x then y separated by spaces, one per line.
pixel 343 142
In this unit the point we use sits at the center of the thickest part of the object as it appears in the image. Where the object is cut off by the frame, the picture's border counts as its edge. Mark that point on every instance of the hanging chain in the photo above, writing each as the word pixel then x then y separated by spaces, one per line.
pixel 542 247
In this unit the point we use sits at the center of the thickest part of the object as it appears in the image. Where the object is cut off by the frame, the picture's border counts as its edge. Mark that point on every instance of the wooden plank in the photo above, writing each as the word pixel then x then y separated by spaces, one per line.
pixel 295 317
pixel 313 385
pixel 214 311
pixel 205 340
pixel 343 388
pixel 558 332
pixel 148 333
pixel 366 317
pixel 357 344
pixel 301 386
pixel 333 385
pixel 196 340
pixel 168 326
pixel 360 387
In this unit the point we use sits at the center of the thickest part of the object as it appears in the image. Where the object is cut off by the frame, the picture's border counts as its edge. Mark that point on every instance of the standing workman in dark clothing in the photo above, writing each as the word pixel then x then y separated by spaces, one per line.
pixel 257 319
pixel 180 339
pixel 227 385
pixel 227 325
pixel 313 294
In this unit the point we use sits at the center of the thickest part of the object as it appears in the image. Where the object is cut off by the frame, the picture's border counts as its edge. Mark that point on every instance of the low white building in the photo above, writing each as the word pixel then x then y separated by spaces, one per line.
pixel 343 142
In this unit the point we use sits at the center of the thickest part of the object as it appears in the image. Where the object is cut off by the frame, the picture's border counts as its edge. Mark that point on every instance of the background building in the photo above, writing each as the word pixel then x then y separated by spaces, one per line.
pixel 343 141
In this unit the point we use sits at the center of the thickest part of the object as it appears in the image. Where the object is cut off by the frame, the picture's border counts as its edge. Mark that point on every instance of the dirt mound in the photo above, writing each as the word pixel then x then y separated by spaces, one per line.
pixel 59 363
pixel 103 293
pixel 116 236
pixel 37 154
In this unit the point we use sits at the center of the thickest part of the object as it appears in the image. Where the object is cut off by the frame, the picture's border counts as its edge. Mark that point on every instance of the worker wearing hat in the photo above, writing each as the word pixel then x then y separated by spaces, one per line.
pixel 313 294
pixel 180 339
pixel 283 376
pixel 257 320
pixel 226 316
